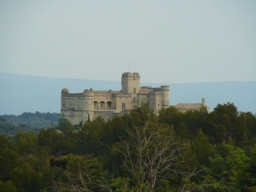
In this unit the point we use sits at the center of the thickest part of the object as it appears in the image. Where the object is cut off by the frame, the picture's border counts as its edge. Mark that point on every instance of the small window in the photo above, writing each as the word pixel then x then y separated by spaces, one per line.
pixel 134 99
pixel 123 105
pixel 134 90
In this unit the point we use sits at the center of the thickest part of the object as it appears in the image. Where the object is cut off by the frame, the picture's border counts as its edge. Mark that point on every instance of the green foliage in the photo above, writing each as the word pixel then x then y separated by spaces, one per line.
pixel 139 151
pixel 230 166
pixel 7 186
pixel 203 149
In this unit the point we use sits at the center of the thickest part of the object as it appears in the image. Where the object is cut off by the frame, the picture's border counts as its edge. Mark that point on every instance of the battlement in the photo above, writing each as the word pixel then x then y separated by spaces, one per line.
pixel 129 74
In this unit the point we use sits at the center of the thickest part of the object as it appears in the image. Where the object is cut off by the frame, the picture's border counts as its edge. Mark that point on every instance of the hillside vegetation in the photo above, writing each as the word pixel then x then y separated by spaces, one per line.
pixel 172 152
pixel 10 124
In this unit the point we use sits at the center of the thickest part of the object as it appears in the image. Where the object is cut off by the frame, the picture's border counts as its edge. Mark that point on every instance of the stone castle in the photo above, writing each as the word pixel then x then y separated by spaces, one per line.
pixel 86 106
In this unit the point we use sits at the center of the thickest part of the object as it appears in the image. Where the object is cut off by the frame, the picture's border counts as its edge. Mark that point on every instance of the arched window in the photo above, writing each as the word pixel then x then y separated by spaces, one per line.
pixel 102 105
pixel 109 104
pixel 95 104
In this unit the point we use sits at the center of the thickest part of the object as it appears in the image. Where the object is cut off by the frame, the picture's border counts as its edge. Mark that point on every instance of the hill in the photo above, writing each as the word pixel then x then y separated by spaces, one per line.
pixel 36 119
pixel 23 93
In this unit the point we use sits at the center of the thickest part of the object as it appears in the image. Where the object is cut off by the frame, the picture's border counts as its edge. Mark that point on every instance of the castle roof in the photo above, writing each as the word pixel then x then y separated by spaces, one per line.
pixel 191 106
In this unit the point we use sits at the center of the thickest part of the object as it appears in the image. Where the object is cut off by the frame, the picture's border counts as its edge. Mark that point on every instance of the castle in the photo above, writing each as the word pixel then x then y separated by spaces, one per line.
pixel 86 106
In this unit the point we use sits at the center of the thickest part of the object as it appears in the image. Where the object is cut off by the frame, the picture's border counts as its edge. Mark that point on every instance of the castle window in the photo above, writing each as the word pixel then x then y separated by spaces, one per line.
pixel 134 90
pixel 134 99
pixel 102 105
pixel 123 105
pixel 134 78
pixel 95 104
pixel 109 105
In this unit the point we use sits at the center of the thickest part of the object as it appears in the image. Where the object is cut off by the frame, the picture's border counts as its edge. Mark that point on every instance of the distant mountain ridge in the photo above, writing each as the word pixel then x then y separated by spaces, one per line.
pixel 24 93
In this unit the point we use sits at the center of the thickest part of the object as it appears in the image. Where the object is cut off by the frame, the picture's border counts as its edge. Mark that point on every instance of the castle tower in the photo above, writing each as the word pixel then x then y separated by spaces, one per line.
pixel 165 96
pixel 64 98
pixel 203 101
pixel 88 109
pixel 131 83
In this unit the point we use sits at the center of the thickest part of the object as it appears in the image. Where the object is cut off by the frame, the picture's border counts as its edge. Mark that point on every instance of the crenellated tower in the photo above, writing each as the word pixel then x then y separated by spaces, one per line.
pixel 130 83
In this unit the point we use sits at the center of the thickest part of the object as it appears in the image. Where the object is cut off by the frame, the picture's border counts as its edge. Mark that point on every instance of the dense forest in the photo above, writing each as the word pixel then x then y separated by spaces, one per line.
pixel 10 124
pixel 139 151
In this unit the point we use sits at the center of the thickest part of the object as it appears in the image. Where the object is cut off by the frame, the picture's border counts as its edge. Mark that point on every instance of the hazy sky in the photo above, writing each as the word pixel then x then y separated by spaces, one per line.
pixel 165 41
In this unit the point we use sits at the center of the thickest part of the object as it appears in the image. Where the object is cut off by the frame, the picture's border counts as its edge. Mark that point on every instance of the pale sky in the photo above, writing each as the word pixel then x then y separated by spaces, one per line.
pixel 165 41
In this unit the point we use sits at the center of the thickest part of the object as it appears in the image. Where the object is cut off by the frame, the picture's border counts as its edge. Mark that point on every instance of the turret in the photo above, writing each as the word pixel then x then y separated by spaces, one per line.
pixel 88 105
pixel 203 101
pixel 64 97
pixel 165 89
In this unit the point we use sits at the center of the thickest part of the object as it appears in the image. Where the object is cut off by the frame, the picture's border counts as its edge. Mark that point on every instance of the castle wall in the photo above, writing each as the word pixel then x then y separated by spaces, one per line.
pixel 155 100
pixel 104 114
pixel 143 99
pixel 122 102
pixel 72 108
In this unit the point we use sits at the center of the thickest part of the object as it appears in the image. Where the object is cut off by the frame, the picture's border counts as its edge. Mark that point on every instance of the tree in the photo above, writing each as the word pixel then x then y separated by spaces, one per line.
pixel 83 173
pixel 52 141
pixel 152 152
pixel 202 148
pixel 230 166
